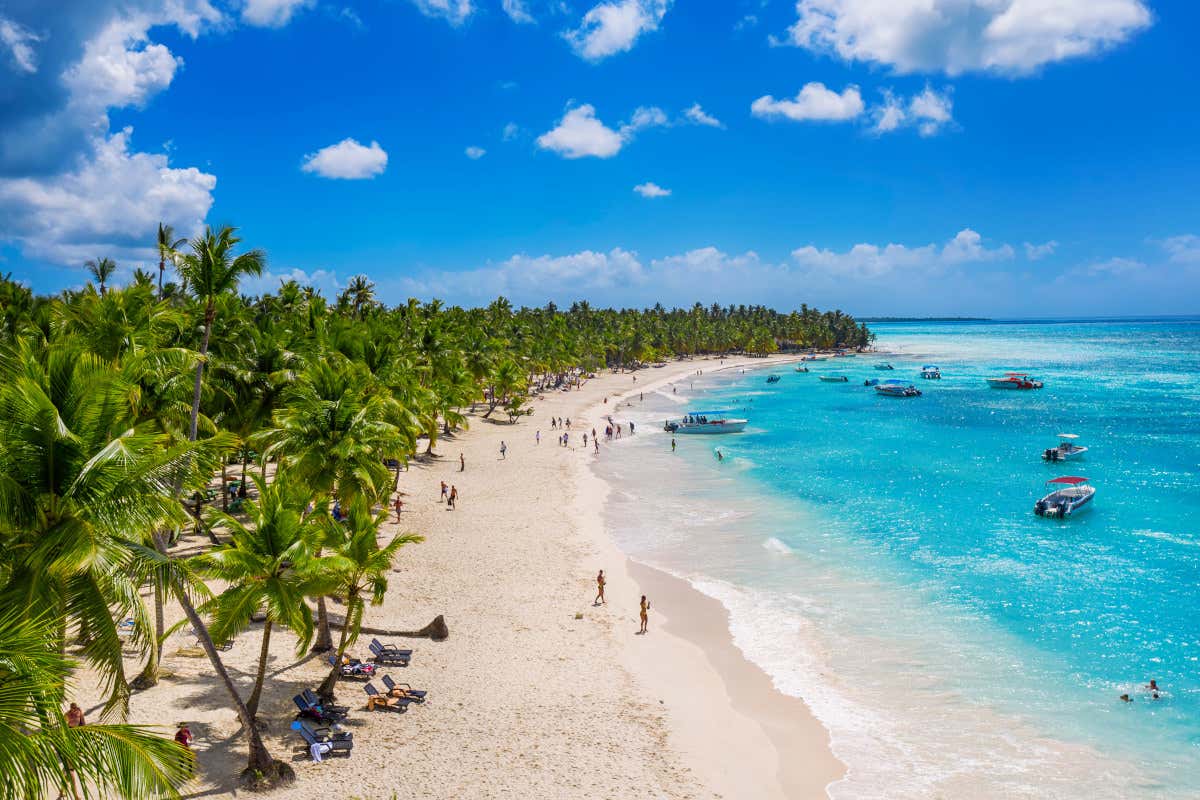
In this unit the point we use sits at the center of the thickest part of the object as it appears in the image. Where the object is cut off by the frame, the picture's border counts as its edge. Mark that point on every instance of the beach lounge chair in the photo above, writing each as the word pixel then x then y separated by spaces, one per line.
pixel 390 648
pixel 316 711
pixel 324 733
pixel 416 695
pixel 355 669
pixel 376 700
pixel 399 658
pixel 318 747
pixel 315 700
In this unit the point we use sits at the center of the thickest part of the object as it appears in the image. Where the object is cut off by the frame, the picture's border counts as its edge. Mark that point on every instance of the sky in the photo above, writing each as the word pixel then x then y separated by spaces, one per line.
pixel 885 157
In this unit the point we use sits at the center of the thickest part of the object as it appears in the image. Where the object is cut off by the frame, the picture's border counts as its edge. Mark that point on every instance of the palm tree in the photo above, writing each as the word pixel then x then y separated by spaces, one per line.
pixel 358 567
pixel 127 761
pixel 267 565
pixel 211 270
pixel 168 250
pixel 102 269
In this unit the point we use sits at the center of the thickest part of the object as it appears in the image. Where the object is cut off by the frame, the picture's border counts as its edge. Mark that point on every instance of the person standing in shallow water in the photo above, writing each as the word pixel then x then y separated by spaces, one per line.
pixel 672 444
pixel 600 590
pixel 645 613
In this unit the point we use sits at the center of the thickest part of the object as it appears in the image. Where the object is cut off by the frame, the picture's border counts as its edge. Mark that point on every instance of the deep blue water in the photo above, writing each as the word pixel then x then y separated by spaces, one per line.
pixel 880 556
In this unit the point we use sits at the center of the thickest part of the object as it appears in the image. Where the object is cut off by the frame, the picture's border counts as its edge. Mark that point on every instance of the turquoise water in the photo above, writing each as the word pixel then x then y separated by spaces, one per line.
pixel 880 557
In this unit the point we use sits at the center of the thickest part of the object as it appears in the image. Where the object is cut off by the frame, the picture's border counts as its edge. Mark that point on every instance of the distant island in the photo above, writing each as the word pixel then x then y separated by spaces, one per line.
pixel 924 319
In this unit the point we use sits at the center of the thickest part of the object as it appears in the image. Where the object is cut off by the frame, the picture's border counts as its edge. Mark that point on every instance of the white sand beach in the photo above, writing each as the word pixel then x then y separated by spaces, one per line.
pixel 537 693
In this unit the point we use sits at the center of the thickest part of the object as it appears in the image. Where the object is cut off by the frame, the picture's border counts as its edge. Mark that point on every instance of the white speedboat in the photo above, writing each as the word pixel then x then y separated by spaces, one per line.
pixel 1014 380
pixel 1066 450
pixel 897 389
pixel 1068 495
pixel 834 378
pixel 931 373
pixel 705 422
pixel 801 369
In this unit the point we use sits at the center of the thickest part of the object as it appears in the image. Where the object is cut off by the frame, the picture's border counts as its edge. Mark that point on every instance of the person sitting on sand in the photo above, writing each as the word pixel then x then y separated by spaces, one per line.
pixel 75 717
pixel 600 590
pixel 184 736
pixel 645 613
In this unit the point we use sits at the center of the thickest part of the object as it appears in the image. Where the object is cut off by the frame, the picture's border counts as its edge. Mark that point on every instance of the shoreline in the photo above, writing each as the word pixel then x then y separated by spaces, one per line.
pixel 535 693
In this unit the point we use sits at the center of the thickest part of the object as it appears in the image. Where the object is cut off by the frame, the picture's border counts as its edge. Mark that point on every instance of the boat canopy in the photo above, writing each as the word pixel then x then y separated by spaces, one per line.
pixel 1068 436
pixel 705 413
pixel 930 366
pixel 897 382
pixel 1070 480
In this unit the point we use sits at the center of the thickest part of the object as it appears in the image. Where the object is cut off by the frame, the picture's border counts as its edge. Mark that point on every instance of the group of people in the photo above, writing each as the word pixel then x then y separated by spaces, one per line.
pixel 449 496
pixel 1151 687
pixel 643 606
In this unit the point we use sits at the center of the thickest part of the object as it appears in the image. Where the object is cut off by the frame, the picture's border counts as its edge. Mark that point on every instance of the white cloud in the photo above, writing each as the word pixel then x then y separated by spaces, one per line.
pixel 19 40
pixel 108 205
pixel 956 36
pixel 517 11
pixel 614 27
pixel 814 102
pixel 1113 267
pixel 869 261
pixel 323 280
pixel 121 67
pixel 510 131
pixel 276 13
pixel 929 111
pixel 698 116
pixel 347 160
pixel 453 11
pixel 649 189
pixel 1036 252
pixel 475 153
pixel 579 133
pixel 1183 249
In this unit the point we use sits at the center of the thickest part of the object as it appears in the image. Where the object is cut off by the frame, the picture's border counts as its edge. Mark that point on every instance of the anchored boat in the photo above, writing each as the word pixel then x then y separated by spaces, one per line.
pixel 834 378
pixel 1069 495
pixel 1014 380
pixel 897 389
pixel 884 366
pixel 1066 449
pixel 705 422
pixel 772 379
pixel 931 373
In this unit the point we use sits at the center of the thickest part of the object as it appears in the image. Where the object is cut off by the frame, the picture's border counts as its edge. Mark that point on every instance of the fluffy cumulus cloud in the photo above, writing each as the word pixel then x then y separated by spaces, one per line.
pixel 108 205
pixel 650 189
pixel 323 280
pixel 517 11
pixel 580 133
pixel 930 112
pixel 275 13
pixel 869 261
pixel 1036 252
pixel 614 27
pixel 956 36
pixel 697 116
pixel 475 153
pixel 1183 249
pixel 121 67
pixel 453 11
pixel 814 103
pixel 347 160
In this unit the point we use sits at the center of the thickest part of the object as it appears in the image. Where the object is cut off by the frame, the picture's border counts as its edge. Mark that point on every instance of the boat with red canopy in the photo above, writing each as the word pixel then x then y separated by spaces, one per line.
pixel 1014 380
pixel 1068 495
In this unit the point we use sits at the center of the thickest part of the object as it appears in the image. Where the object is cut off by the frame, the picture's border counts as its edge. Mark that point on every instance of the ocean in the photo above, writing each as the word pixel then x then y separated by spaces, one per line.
pixel 881 559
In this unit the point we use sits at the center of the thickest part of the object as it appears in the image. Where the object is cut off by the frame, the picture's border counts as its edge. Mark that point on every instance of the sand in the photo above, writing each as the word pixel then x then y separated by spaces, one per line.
pixel 537 693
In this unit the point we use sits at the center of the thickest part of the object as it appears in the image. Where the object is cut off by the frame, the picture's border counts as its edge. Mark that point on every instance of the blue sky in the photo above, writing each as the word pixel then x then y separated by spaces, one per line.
pixel 990 157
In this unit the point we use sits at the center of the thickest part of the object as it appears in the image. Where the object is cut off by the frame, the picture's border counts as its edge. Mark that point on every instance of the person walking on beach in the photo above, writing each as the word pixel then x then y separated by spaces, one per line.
pixel 445 492
pixel 600 590
pixel 645 613
pixel 672 444
pixel 503 450
pixel 553 423
pixel 596 444
pixel 399 504
pixel 537 437
pixel 453 497
pixel 462 463
pixel 585 438
pixel 75 716
pixel 184 736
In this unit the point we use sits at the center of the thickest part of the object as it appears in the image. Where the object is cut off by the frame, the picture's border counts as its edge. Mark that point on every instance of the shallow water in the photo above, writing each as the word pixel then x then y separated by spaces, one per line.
pixel 880 557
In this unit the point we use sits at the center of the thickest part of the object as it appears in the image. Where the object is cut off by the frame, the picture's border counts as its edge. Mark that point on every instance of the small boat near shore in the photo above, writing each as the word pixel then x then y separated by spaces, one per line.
pixel 897 388
pixel 931 372
pixel 772 379
pixel 1066 450
pixel 834 379
pixel 1015 380
pixel 1069 495
pixel 708 422
pixel 801 369
pixel 884 366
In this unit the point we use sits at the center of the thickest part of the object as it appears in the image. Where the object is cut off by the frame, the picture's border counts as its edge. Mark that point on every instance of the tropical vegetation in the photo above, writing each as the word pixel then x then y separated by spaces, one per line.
pixel 142 405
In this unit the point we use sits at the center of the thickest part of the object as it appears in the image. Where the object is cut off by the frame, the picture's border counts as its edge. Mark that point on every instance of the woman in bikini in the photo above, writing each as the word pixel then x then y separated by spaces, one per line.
pixel 600 590
pixel 645 612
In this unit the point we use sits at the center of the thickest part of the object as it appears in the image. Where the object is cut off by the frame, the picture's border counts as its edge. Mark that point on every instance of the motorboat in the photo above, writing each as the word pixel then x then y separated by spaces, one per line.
pixel 1068 495
pixel 772 379
pixel 884 366
pixel 1066 450
pixel 801 369
pixel 705 422
pixel 931 372
pixel 844 354
pixel 835 379
pixel 871 382
pixel 1014 380
pixel 897 389
pixel 815 357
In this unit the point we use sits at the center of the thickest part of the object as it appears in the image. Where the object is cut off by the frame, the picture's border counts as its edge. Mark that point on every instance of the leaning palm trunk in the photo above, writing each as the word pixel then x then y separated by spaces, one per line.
pixel 326 688
pixel 252 703
pixel 210 313
pixel 324 642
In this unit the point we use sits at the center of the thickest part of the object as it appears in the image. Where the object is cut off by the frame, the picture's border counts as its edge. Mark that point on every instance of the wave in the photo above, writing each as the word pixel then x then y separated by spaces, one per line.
pixel 776 546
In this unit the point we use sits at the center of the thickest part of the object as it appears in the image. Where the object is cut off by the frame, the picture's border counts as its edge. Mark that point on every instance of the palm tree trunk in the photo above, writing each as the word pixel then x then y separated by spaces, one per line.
pixel 326 688
pixel 209 313
pixel 260 758
pixel 162 265
pixel 148 677
pixel 224 486
pixel 324 642
pixel 252 703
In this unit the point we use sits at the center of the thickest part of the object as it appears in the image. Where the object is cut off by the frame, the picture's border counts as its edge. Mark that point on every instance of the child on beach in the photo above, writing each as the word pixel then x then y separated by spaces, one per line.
pixel 600 590
pixel 503 450
pixel 645 613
